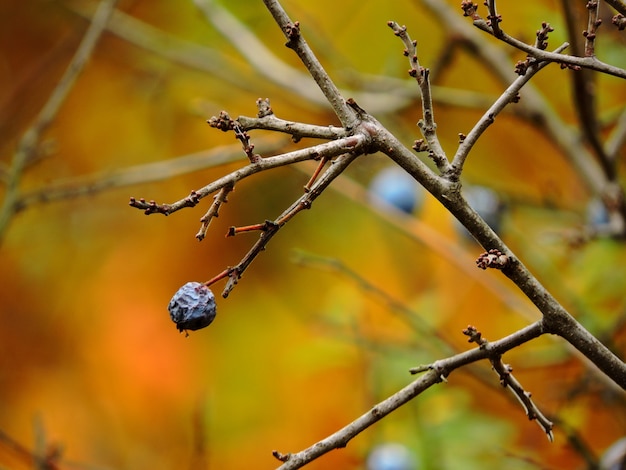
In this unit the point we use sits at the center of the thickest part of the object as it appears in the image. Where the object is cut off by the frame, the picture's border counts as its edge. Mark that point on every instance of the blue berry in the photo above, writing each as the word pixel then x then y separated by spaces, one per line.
pixel 192 307
pixel 489 206
pixel 396 187
pixel 487 203
pixel 614 458
pixel 391 456
pixel 597 215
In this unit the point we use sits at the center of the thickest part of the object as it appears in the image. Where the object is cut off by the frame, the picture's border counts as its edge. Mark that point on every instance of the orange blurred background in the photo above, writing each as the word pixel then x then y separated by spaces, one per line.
pixel 93 371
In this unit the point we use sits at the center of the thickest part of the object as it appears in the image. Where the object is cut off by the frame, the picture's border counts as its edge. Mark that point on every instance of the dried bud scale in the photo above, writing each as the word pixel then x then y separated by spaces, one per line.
pixel 192 307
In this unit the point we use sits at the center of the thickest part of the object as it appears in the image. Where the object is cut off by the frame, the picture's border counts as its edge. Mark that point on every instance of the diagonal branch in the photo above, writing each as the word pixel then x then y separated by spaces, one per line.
pixel 436 372
pixel 270 228
pixel 296 42
pixel 510 95
pixel 591 63
pixel 330 149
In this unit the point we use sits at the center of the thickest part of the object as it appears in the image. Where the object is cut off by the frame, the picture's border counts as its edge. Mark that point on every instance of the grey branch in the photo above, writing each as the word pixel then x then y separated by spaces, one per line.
pixel 436 372
pixel 330 149
pixel 591 63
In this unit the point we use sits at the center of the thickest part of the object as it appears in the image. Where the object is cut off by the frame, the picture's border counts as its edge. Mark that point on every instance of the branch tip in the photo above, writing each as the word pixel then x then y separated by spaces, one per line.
pixel 280 456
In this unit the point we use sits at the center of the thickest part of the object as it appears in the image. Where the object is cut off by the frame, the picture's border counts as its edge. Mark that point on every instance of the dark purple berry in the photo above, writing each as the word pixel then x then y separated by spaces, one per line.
pixel 192 307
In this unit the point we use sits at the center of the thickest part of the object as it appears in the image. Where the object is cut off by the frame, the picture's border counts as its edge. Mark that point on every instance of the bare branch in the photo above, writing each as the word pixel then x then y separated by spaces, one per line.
pixel 330 149
pixel 507 379
pixel 436 372
pixel 591 63
pixel 213 211
pixel 427 125
pixel 296 42
pixel 270 228
pixel 268 121
pixel 593 23
pixel 510 95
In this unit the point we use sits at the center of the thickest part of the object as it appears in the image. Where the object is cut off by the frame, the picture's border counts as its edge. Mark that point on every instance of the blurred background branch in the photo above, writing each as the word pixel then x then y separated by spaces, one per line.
pixel 27 150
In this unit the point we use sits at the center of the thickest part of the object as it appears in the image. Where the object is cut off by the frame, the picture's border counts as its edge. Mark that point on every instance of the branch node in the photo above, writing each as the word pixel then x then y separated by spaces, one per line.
pixel 619 21
pixel 292 31
pixel 492 259
pixel 263 105
pixel 469 9
pixel 223 122
pixel 420 146
pixel 475 336
pixel 542 36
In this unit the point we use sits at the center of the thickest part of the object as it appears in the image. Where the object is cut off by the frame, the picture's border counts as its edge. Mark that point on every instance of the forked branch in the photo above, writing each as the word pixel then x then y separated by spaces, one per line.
pixel 361 134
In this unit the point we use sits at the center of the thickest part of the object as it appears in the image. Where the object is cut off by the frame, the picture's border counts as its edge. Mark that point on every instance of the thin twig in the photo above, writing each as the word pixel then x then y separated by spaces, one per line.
pixel 494 19
pixel 331 149
pixel 591 63
pixel 270 228
pixel 593 23
pixel 510 95
pixel 295 41
pixel 297 130
pixel 507 379
pixel 219 199
pixel 427 124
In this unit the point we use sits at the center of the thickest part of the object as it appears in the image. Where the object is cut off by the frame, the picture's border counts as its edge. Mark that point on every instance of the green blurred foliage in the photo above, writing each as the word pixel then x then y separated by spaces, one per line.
pixel 87 348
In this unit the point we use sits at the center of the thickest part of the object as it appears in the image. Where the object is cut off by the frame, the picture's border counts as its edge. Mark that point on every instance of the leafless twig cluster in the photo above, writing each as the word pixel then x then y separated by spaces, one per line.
pixel 362 134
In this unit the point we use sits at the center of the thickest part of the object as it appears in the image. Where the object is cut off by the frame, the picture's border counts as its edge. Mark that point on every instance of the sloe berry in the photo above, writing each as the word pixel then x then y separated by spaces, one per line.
pixel 192 307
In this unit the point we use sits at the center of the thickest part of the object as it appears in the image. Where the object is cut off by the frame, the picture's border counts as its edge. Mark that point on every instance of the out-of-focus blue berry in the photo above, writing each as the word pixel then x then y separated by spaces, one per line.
pixel 487 203
pixel 597 215
pixel 391 456
pixel 192 307
pixel 614 458
pixel 396 187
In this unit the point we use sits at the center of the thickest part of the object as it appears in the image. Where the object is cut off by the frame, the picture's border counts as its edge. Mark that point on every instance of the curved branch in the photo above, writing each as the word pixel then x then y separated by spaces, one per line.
pixel 591 63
